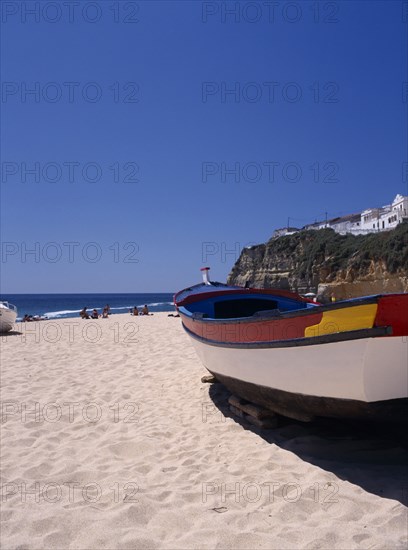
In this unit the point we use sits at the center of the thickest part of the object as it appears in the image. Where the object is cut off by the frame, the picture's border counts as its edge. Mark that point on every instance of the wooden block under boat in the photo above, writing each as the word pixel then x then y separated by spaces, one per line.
pixel 265 423
pixel 249 408
pixel 209 379
pixel 237 411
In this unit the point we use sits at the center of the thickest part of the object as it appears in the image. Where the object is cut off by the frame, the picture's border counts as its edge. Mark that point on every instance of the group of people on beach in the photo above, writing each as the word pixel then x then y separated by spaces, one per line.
pixel 95 315
pixel 135 311
pixel 28 318
pixel 106 312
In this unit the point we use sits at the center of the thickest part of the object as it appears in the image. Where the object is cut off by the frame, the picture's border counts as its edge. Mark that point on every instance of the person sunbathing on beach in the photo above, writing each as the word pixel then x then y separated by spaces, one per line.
pixel 135 311
pixel 95 314
pixel 84 314
pixel 145 310
pixel 105 313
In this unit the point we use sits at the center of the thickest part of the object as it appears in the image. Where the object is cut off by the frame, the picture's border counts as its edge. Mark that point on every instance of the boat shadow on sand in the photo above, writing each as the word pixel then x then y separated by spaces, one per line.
pixel 10 333
pixel 372 456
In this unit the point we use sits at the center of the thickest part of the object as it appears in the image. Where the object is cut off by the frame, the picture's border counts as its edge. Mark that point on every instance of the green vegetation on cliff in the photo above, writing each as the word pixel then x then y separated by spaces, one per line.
pixel 336 252
pixel 308 258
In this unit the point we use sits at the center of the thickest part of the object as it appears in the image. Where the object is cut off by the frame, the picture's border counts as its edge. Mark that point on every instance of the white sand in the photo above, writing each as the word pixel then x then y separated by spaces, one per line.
pixel 126 449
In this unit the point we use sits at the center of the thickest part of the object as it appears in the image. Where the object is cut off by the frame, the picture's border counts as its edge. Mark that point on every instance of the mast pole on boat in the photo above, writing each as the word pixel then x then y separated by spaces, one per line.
pixel 206 277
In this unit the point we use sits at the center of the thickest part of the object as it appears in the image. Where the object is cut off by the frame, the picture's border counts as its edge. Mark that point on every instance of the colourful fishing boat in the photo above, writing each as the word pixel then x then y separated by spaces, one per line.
pixel 301 359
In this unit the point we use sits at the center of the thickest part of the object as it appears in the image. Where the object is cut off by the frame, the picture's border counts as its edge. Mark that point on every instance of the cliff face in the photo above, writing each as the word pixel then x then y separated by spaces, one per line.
pixel 328 263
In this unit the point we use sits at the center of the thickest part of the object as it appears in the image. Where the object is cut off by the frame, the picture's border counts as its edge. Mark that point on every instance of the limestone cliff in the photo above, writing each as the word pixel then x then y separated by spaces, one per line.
pixel 328 263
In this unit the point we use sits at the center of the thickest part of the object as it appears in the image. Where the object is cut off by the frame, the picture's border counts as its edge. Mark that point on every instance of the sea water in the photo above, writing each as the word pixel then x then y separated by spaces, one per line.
pixel 60 306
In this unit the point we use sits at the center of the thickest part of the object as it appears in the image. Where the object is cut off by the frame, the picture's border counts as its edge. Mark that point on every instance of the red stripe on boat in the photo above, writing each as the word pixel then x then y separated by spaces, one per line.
pixel 255 331
pixel 393 311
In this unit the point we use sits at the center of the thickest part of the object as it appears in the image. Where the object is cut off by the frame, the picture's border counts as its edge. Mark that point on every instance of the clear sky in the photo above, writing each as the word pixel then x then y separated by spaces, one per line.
pixel 142 140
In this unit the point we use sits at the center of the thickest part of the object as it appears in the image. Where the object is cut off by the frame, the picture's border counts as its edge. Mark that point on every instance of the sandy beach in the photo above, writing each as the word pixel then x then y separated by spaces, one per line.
pixel 109 440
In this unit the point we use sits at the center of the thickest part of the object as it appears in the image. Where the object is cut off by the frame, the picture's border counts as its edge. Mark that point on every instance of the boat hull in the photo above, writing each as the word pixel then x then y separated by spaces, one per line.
pixel 7 320
pixel 362 378
pixel 307 408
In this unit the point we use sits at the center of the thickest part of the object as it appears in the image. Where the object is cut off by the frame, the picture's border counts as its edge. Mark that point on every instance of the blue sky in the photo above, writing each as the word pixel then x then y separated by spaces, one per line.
pixel 163 136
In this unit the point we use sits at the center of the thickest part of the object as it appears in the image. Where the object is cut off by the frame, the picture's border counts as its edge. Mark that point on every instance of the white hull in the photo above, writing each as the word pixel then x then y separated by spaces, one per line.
pixel 7 319
pixel 366 370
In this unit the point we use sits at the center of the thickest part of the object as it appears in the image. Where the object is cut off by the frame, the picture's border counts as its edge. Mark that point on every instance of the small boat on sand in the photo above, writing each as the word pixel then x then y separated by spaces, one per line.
pixel 299 358
pixel 8 316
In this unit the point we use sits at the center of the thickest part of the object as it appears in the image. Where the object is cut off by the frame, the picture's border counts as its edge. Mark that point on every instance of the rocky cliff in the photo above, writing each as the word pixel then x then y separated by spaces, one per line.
pixel 328 263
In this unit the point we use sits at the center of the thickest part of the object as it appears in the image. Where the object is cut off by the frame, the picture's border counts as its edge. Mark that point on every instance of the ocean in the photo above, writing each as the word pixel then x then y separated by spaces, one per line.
pixel 60 306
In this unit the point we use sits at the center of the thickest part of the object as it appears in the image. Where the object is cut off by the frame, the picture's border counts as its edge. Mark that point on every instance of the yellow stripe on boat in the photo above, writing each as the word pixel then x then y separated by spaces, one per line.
pixel 342 320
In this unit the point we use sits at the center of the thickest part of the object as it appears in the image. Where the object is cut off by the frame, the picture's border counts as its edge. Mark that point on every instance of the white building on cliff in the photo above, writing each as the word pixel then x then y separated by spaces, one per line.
pixel 371 220
pixel 387 217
